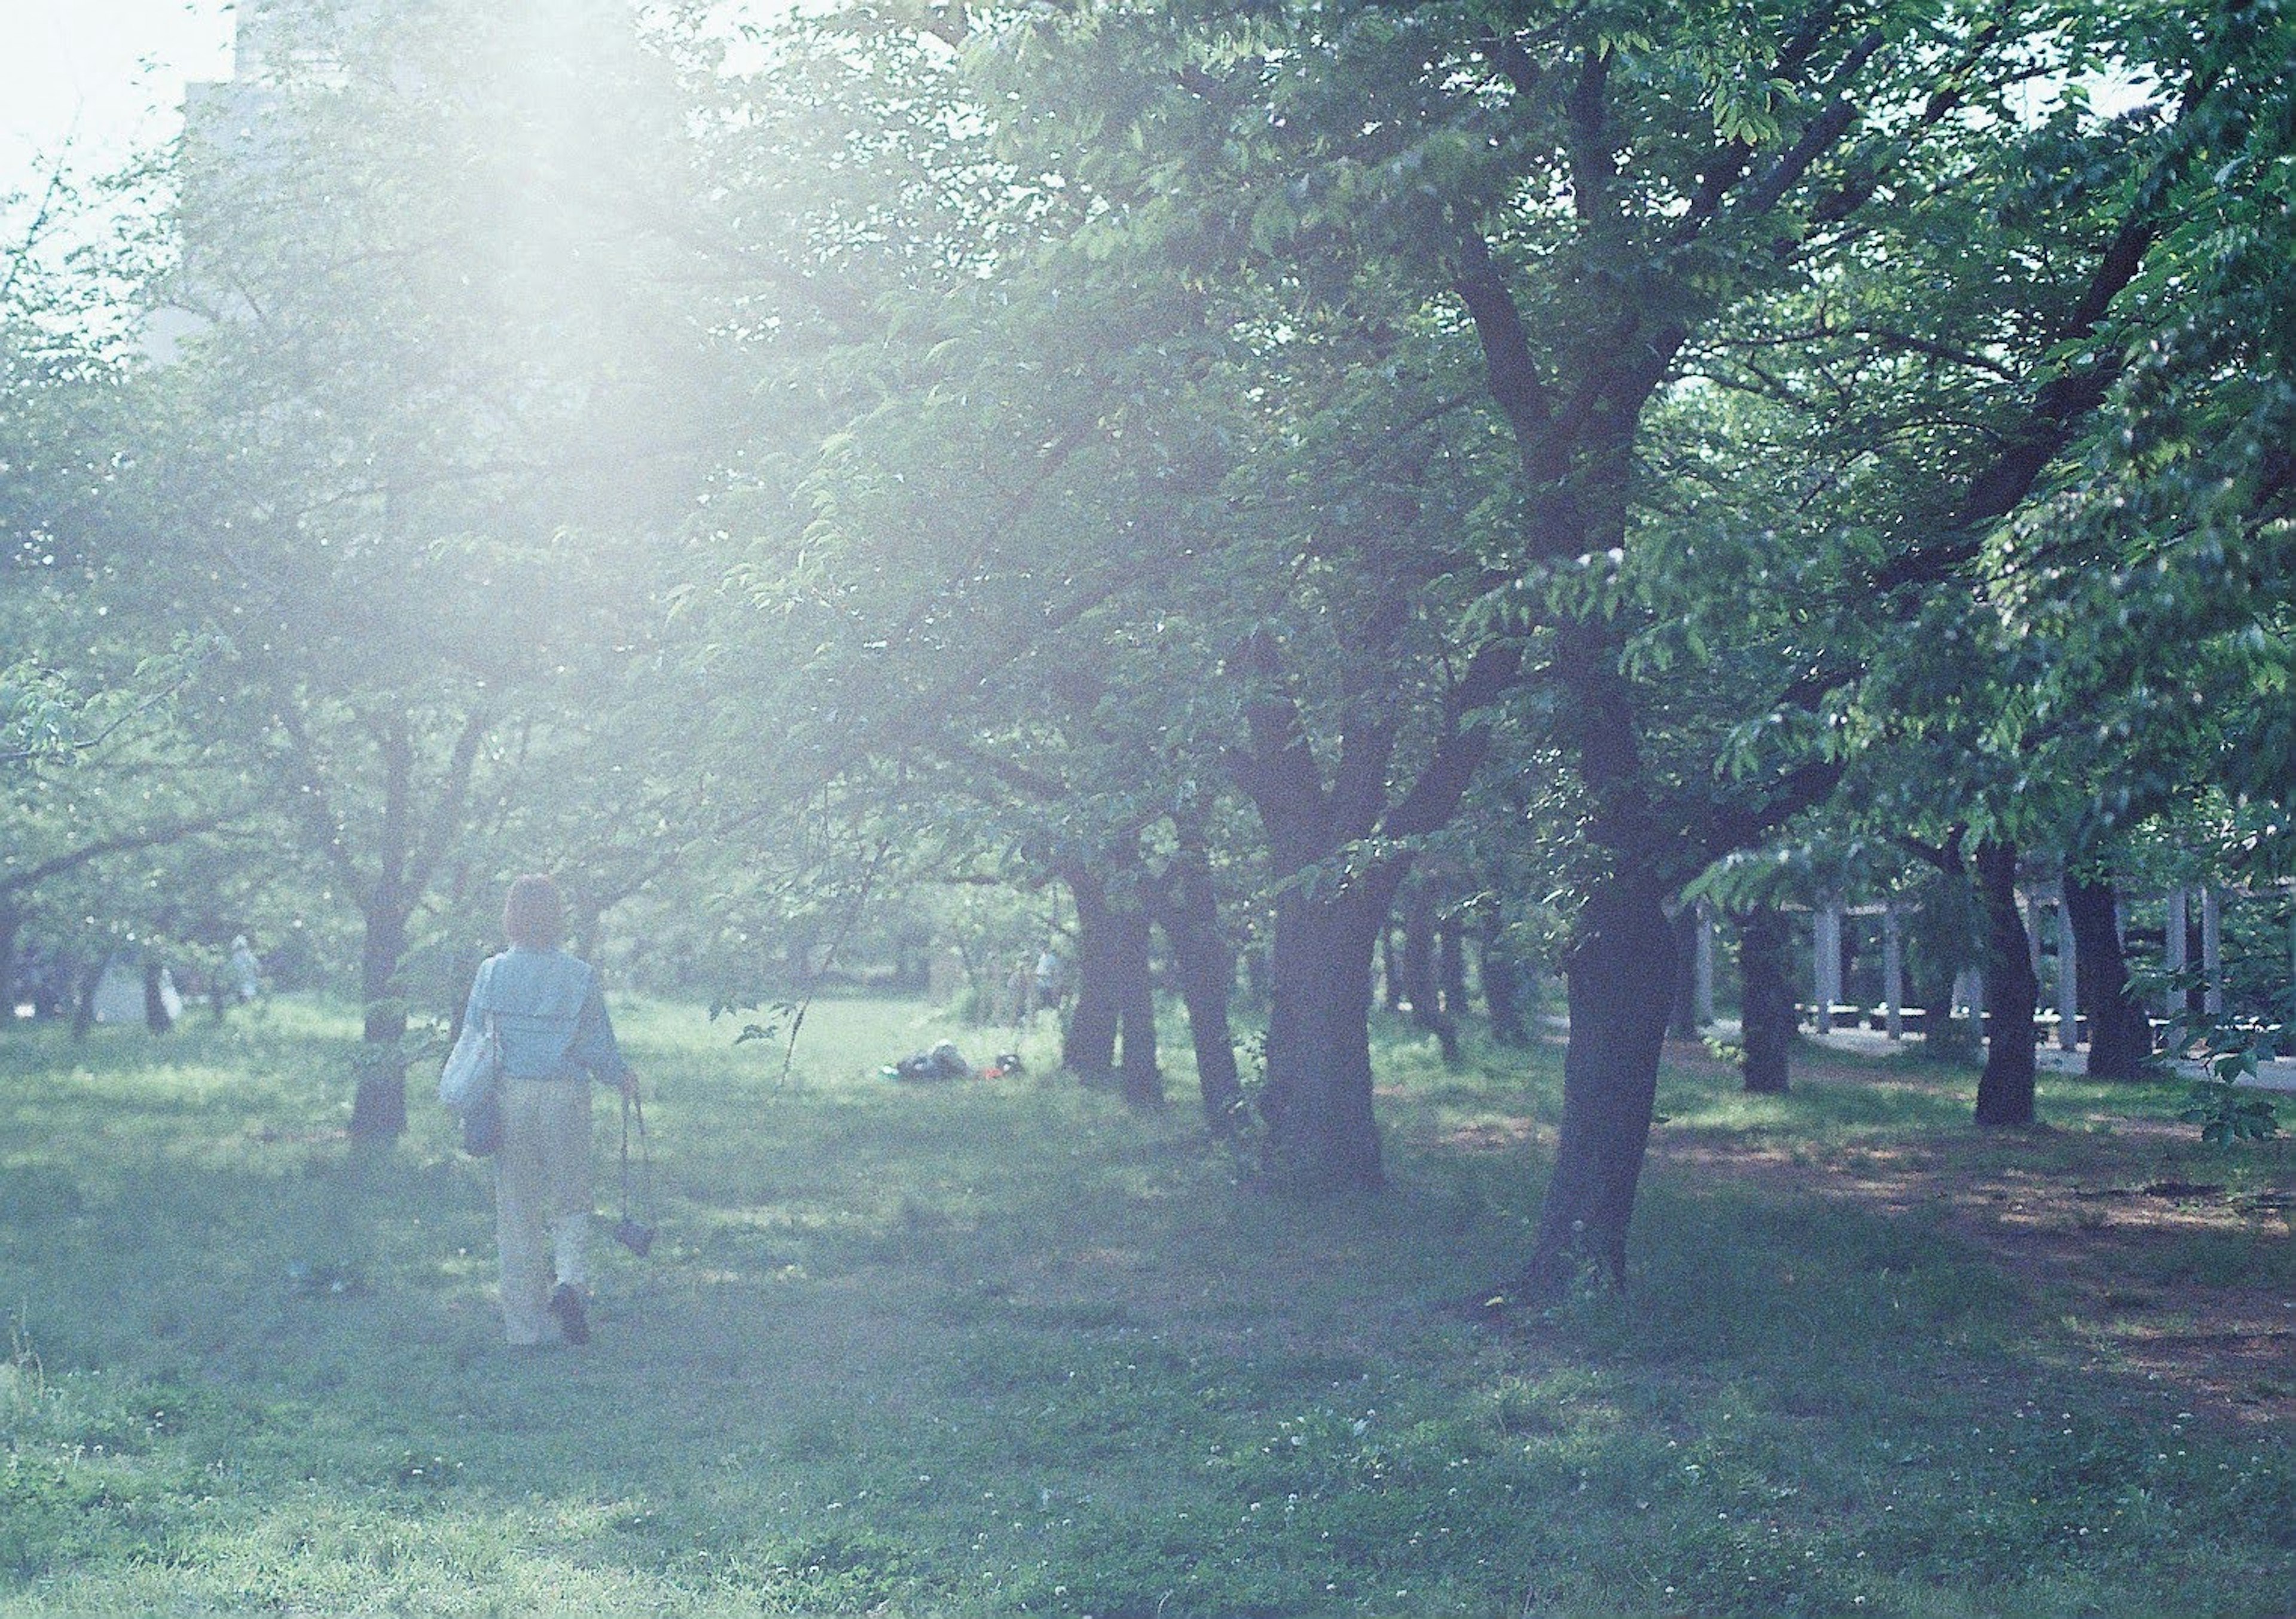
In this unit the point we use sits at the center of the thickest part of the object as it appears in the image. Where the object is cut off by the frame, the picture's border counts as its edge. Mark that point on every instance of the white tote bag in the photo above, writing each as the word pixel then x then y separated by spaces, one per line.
pixel 472 1066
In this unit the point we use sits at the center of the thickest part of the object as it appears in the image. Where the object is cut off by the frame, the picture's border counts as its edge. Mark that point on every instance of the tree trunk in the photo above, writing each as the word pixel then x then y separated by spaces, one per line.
pixel 1139 1077
pixel 1317 1103
pixel 1088 1043
pixel 2005 1091
pixel 85 981
pixel 1451 969
pixel 157 1018
pixel 1420 979
pixel 1682 1019
pixel 1205 965
pixel 1766 1000
pixel 1621 972
pixel 2119 1032
pixel 1502 978
pixel 378 1105
pixel 1392 991
pixel 12 924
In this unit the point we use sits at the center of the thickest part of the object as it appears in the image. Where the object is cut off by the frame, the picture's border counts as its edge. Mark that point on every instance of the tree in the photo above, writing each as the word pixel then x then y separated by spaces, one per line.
pixel 411 458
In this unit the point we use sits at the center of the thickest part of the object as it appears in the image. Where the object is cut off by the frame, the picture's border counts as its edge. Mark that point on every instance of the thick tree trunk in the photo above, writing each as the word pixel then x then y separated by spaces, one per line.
pixel 2005 1091
pixel 1088 1043
pixel 2119 1032
pixel 1205 965
pixel 379 1104
pixel 1621 973
pixel 1766 1000
pixel 1317 1103
pixel 1502 978
pixel 1420 980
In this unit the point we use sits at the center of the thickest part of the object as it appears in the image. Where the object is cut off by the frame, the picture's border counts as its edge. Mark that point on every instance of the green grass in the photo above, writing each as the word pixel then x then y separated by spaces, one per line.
pixel 1004 1347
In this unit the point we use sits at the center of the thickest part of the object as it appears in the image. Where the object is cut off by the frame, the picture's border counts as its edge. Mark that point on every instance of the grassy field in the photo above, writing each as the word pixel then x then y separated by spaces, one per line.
pixel 1003 1347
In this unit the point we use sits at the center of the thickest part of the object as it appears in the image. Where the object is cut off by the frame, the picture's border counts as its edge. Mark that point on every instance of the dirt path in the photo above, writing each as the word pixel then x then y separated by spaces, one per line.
pixel 2156 1257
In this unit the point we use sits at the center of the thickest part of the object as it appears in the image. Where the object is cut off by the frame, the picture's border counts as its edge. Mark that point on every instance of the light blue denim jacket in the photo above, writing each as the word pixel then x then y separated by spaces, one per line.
pixel 548 1014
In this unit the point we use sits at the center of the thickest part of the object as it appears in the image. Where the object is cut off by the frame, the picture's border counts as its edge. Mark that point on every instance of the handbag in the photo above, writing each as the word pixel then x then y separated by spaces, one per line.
pixel 472 1084
pixel 482 1124
pixel 473 1068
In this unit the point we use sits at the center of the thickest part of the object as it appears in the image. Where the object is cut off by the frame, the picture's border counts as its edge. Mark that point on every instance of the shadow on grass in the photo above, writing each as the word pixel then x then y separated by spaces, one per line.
pixel 1003 1345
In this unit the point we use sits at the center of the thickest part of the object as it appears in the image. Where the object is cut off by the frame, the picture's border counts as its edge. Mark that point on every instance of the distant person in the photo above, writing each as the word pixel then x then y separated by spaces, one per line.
pixel 556 1038
pixel 1051 975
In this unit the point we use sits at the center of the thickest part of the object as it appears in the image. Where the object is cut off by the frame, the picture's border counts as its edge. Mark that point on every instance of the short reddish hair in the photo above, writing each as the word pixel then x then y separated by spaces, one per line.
pixel 534 915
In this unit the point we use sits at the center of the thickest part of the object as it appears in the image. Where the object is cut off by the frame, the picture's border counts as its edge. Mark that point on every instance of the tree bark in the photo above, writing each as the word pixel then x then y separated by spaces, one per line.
pixel 157 1018
pixel 1682 1020
pixel 1766 1000
pixel 378 1103
pixel 89 975
pixel 1317 1102
pixel 1451 968
pixel 1204 964
pixel 1620 971
pixel 1502 978
pixel 1139 1077
pixel 2005 1090
pixel 1420 979
pixel 12 924
pixel 1088 1043
pixel 2119 1032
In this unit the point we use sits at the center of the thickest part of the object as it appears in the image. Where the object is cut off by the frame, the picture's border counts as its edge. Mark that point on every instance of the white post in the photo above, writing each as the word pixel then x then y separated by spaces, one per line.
pixel 1825 947
pixel 2213 948
pixel 1893 975
pixel 2068 979
pixel 2172 947
pixel 1702 983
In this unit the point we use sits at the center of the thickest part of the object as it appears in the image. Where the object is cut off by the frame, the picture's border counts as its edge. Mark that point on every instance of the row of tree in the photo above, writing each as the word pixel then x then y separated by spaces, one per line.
pixel 1222 461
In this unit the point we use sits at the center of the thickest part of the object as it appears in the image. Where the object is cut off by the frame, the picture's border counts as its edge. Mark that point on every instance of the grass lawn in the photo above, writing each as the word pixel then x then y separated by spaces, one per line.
pixel 1001 1347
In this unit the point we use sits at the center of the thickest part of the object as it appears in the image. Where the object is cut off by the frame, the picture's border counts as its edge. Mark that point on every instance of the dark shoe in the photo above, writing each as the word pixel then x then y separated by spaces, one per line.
pixel 573 1321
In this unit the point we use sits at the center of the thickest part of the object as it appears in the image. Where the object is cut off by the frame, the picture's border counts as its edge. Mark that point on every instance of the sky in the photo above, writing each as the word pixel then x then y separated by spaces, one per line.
pixel 100 76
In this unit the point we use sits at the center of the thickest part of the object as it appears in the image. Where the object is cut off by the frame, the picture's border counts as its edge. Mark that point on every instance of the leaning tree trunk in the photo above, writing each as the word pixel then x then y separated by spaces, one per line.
pixel 1620 971
pixel 1088 1043
pixel 2005 1090
pixel 2119 1032
pixel 1766 1000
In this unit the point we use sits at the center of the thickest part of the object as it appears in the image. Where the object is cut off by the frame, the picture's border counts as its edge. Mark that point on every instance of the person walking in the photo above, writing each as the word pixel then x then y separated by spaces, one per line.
pixel 550 1018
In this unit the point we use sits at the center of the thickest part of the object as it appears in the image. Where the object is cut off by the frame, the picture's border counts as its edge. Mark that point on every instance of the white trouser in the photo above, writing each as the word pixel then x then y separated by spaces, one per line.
pixel 542 1199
